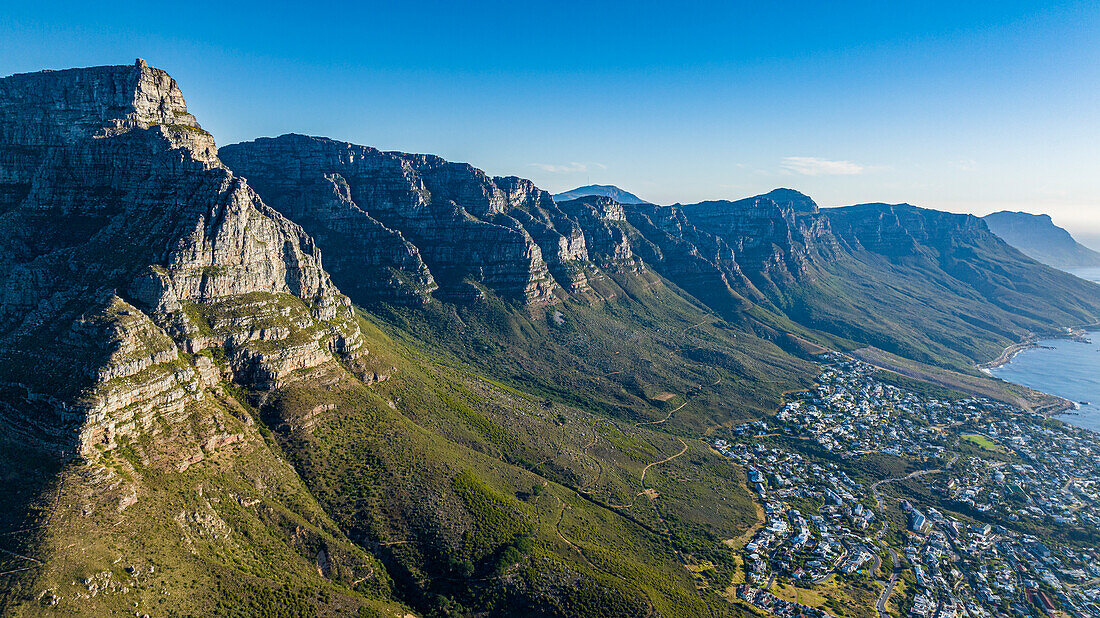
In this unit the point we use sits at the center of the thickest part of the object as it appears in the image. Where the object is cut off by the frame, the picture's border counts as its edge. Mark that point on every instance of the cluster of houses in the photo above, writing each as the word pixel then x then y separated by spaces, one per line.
pixel 1003 479
pixel 801 545
pixel 775 605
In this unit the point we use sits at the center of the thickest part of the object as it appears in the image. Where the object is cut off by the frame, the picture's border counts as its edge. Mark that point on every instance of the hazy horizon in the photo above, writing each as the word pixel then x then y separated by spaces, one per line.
pixel 967 108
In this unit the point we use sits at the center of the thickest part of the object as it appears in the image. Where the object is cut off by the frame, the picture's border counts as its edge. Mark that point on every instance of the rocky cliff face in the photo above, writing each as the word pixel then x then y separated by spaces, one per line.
pixel 902 231
pixel 424 222
pixel 771 240
pixel 601 220
pixel 135 268
pixel 433 223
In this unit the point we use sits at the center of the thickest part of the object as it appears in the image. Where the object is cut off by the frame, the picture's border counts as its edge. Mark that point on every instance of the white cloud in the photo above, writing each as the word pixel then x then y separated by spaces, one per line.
pixel 567 168
pixel 813 166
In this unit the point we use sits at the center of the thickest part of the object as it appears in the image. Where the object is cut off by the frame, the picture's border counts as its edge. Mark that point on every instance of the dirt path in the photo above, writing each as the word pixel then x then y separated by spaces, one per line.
pixel 665 460
pixel 687 401
pixel 667 416
pixel 645 490
pixel 599 465
pixel 580 552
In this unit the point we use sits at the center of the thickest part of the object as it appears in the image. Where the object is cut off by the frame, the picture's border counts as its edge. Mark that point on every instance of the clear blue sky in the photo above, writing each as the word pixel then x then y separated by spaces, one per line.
pixel 963 106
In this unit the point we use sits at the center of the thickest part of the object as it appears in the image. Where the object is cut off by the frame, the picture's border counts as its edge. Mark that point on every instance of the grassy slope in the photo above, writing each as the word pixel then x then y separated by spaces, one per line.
pixel 234 533
pixel 954 296
pixel 436 470
pixel 617 357
pixel 473 493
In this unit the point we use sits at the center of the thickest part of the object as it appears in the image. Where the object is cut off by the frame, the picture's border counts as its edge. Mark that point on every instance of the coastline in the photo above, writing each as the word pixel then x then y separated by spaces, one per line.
pixel 1009 353
pixel 1076 333
pixel 1080 333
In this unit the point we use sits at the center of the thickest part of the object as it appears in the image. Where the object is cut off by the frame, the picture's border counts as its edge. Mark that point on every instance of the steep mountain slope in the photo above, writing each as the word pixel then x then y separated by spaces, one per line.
pixel 610 191
pixel 425 219
pixel 1037 237
pixel 142 282
pixel 932 286
pixel 615 335
pixel 128 245
pixel 942 286
pixel 199 423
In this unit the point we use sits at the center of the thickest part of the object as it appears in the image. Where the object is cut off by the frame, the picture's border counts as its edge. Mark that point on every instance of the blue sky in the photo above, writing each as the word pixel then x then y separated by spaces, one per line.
pixel 969 107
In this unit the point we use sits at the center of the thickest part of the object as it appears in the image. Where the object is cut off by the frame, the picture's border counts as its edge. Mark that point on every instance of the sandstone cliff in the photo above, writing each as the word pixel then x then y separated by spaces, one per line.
pixel 135 269
pixel 431 222
pixel 1039 238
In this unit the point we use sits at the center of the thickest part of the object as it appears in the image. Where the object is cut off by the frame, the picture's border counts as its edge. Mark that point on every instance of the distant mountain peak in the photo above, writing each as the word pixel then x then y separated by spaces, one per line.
pixel 611 191
pixel 790 198
pixel 1038 237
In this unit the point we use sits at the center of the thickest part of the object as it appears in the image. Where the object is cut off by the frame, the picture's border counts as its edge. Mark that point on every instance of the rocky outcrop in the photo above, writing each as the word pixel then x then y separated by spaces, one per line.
pixel 129 248
pixel 602 221
pixel 772 241
pixel 700 263
pixel 436 223
pixel 903 231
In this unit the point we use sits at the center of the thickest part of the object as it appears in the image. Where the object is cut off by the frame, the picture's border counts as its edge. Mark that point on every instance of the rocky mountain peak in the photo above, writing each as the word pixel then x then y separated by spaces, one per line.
pixel 120 219
pixel 792 200
pixel 56 107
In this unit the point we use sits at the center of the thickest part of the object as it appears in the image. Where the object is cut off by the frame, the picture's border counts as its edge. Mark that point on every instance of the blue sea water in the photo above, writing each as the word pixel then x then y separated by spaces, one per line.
pixel 1071 370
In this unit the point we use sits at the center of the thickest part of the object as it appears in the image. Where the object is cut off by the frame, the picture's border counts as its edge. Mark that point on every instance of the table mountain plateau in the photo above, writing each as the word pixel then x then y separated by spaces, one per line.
pixel 460 409
pixel 130 251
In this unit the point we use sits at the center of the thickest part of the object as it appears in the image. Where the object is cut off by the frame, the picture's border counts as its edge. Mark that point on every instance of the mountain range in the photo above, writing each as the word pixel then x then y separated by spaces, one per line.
pixel 1040 239
pixel 299 376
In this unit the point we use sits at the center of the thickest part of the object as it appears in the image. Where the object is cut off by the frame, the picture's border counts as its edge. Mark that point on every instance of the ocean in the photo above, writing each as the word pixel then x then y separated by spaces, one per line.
pixel 1071 370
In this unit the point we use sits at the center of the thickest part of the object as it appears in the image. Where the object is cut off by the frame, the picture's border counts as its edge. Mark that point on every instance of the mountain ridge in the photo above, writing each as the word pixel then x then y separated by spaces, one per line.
pixel 480 400
pixel 1038 237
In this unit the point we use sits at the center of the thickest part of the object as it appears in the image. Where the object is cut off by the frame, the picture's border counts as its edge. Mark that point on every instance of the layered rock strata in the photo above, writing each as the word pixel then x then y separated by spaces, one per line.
pixel 434 223
pixel 136 269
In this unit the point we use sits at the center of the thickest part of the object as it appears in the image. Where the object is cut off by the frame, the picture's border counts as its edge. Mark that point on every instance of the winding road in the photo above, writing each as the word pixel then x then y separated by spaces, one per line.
pixel 888 587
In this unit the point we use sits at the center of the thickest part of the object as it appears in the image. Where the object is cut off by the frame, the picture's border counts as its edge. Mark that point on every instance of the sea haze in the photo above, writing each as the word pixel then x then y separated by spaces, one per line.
pixel 1091 274
pixel 1062 367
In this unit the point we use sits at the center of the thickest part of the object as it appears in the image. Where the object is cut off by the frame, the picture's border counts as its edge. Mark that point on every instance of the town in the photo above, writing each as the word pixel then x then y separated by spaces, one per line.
pixel 951 506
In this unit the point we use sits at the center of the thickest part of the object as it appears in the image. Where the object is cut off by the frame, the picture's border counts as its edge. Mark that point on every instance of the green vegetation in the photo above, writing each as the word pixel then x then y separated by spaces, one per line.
pixel 612 357
pixel 496 466
pixel 983 442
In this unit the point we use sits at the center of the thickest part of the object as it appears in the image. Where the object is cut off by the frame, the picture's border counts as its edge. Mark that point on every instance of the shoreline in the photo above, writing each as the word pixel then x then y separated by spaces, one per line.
pixel 1008 354
pixel 1077 333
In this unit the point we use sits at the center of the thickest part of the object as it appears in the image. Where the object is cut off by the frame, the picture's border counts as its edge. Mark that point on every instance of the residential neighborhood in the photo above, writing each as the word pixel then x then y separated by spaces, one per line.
pixel 951 506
